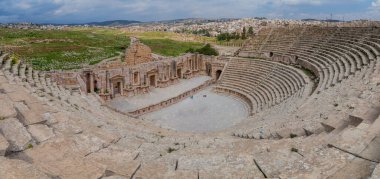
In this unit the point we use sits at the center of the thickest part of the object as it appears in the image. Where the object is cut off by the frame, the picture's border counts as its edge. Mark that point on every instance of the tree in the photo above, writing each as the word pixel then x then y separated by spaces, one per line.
pixel 190 50
pixel 206 50
pixel 250 31
pixel 223 37
pixel 244 34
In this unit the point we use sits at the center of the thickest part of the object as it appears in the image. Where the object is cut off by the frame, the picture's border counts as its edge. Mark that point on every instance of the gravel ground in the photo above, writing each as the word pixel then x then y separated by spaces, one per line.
pixel 206 111
pixel 128 104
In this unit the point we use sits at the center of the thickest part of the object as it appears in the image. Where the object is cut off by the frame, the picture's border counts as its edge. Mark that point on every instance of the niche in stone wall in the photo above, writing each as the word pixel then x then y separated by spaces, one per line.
pixel 136 77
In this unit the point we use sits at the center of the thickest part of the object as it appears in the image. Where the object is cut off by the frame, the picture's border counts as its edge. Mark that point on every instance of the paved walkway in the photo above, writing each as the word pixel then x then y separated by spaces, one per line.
pixel 129 104
pixel 205 111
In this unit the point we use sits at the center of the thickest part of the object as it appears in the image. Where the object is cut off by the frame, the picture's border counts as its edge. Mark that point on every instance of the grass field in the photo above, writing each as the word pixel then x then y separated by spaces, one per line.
pixel 63 49
pixel 73 47
pixel 167 47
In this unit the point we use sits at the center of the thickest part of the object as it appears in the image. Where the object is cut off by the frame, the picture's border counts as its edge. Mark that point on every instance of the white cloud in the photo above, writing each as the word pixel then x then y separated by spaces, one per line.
pixel 376 4
pixel 23 5
pixel 300 2
pixel 147 10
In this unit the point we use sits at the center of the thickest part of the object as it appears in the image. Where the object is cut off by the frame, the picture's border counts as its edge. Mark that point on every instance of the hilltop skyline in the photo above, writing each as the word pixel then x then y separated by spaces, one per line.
pixel 82 11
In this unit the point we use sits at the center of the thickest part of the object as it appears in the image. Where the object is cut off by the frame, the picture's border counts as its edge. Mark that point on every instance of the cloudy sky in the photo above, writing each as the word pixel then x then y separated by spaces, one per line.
pixel 78 11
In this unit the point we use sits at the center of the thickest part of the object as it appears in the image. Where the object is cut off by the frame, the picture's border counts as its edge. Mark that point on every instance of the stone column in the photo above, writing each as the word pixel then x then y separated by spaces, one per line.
pixel 92 83
pixel 111 90
pixel 122 88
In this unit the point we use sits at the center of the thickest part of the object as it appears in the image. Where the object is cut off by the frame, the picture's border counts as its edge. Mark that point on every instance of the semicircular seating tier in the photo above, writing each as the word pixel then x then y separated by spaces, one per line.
pixel 332 53
pixel 262 83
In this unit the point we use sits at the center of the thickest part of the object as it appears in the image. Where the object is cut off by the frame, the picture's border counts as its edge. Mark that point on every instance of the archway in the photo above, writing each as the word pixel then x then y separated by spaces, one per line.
pixel 152 80
pixel 217 74
pixel 179 73
pixel 96 89
pixel 136 77
pixel 117 88
pixel 88 82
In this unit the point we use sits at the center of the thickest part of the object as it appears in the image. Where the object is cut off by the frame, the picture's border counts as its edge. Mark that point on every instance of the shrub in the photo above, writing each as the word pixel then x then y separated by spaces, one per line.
pixel 293 135
pixel 206 50
pixel 170 150
pixel 30 146
pixel 15 59
pixel 294 149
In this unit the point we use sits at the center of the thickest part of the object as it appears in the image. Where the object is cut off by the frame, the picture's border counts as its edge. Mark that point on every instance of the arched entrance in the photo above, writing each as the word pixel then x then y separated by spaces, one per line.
pixel 152 80
pixel 88 82
pixel 136 78
pixel 179 73
pixel 96 89
pixel 117 84
pixel 117 88
pixel 217 74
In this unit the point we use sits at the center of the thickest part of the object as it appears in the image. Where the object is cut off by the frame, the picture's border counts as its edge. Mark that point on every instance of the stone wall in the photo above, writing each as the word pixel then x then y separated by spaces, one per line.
pixel 171 101
pixel 138 53
pixel 120 79
pixel 140 73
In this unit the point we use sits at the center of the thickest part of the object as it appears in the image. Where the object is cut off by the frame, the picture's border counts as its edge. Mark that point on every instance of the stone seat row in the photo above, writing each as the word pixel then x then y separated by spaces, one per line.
pixel 262 81
pixel 336 76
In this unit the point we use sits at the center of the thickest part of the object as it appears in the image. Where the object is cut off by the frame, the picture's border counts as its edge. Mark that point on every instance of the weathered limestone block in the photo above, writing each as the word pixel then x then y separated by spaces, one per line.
pixel 191 174
pixel 3 79
pixel 366 112
pixel 115 177
pixel 60 158
pixel 63 124
pixel 16 134
pixel 14 169
pixel 8 88
pixel 274 162
pixel 22 95
pixel 3 145
pixel 33 114
pixel 6 107
pixel 117 160
pixel 376 172
pixel 40 132
pixel 93 140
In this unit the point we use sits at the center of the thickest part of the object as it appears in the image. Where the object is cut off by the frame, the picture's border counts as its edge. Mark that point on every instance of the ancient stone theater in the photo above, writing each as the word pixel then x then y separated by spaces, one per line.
pixel 293 102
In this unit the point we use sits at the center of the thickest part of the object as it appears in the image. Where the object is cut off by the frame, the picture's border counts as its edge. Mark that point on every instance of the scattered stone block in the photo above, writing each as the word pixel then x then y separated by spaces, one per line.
pixel 16 134
pixel 60 158
pixel 3 145
pixel 117 160
pixel 6 107
pixel 30 115
pixel 15 169
pixel 40 132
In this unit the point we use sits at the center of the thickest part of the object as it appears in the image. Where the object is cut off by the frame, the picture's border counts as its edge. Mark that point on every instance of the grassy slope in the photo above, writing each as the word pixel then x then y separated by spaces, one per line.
pixel 73 47
pixel 63 49
pixel 167 43
pixel 167 47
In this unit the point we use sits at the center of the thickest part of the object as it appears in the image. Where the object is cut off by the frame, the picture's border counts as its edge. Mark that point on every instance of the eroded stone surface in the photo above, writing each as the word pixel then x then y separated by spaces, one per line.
pixel 17 169
pixel 30 114
pixel 117 160
pixel 59 158
pixel 6 107
pixel 3 145
pixel 40 132
pixel 16 134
